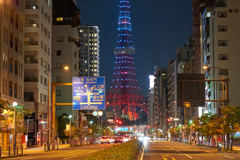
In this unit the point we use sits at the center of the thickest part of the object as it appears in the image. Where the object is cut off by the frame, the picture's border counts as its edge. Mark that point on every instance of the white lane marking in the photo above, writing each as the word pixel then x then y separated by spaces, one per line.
pixel 142 155
pixel 229 157
pixel 70 157
pixel 188 156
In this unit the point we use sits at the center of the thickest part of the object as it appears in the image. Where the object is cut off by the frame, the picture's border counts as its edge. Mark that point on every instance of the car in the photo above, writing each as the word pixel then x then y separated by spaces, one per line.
pixel 118 139
pixel 104 139
pixel 111 139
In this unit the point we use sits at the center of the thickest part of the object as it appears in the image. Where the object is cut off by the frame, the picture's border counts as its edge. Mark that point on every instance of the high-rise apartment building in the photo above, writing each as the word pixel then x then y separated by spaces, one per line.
pixel 65 50
pixel 160 97
pixel 89 51
pixel 37 66
pixel 157 99
pixel 219 49
pixel 196 7
pixel 150 101
pixel 12 62
pixel 173 110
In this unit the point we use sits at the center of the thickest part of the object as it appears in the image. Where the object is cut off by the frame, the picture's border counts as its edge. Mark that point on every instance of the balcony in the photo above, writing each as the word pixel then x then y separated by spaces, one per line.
pixel 31 27
pixel 31 8
pixel 31 79
pixel 31 44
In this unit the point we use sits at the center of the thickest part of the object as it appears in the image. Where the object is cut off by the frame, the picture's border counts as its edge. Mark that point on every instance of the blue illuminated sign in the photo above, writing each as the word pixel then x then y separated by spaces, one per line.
pixel 88 93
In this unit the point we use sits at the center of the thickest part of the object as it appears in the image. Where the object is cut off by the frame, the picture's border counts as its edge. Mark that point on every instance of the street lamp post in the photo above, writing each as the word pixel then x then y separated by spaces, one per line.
pixel 225 81
pixel 14 127
pixel 51 108
pixel 70 118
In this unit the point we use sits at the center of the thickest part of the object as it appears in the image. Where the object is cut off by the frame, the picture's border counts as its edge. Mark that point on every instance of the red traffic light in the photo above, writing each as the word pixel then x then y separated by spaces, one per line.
pixel 118 121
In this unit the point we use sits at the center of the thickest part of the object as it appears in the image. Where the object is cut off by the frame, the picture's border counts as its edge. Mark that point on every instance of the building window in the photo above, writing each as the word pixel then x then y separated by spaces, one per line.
pixel 16 68
pixel 44 98
pixel 15 90
pixel 59 52
pixel 223 57
pixel 222 43
pixel 10 88
pixel 223 72
pixel 60 39
pixel 11 65
pixel 11 40
pixel 221 14
pixel 58 65
pixel 221 3
pixel 41 97
pixel 58 79
pixel 29 96
pixel 58 93
pixel 222 28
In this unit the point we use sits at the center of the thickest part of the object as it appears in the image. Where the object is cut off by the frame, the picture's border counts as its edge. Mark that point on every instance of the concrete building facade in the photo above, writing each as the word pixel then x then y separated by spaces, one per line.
pixel 12 64
pixel 89 51
pixel 37 51
pixel 65 51
pixel 219 49
pixel 173 110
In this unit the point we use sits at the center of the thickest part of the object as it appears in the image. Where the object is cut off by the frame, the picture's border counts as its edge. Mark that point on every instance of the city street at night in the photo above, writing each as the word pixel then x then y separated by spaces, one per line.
pixel 181 151
pixel 74 153
pixel 119 80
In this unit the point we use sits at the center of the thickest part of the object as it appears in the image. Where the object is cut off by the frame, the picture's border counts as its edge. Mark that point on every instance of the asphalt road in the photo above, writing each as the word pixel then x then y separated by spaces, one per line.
pixel 181 151
pixel 65 154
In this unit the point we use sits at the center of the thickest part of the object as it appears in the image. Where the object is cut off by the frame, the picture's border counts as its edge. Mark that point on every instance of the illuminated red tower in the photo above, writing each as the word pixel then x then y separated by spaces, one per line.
pixel 124 96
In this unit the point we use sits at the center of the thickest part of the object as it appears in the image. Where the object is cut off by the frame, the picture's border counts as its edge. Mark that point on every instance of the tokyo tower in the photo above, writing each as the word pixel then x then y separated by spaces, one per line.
pixel 124 96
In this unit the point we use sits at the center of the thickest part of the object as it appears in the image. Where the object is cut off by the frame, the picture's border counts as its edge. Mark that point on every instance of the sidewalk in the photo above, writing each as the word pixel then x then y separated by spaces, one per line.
pixel 33 150
pixel 236 149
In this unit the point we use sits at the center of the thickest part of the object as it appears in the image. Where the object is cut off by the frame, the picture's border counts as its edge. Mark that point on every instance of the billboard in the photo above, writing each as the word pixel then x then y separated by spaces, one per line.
pixel 88 93
pixel 190 89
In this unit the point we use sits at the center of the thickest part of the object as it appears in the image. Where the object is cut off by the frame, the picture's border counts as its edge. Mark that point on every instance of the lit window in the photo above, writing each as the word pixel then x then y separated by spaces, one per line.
pixel 59 19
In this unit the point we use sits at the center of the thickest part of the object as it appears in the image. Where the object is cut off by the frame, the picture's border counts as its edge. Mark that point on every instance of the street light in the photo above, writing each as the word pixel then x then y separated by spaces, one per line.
pixel 14 125
pixel 91 122
pixel 51 111
pixel 224 80
pixel 66 68
pixel 70 118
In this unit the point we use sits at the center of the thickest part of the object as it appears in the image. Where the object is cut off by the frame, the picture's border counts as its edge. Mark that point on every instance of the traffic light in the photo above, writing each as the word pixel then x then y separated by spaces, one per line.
pixel 118 122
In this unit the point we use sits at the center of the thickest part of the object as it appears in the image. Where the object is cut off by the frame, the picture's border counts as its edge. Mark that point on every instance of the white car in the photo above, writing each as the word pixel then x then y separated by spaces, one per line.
pixel 105 139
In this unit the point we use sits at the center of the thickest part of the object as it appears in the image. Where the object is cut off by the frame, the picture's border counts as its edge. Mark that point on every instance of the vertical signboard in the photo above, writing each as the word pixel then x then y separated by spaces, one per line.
pixel 88 93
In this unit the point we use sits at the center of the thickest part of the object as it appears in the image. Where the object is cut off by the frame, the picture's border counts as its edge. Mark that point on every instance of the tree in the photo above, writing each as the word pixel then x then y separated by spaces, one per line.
pixel 62 121
pixel 231 121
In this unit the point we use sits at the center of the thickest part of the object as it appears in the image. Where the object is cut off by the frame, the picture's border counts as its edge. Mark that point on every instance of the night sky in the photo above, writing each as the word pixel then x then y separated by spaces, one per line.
pixel 159 28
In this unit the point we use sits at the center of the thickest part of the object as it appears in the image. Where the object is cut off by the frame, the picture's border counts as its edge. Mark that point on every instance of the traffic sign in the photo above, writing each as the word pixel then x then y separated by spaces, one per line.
pixel 88 93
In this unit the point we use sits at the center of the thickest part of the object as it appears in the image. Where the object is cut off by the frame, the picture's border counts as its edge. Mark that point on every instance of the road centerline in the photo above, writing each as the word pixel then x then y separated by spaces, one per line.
pixel 188 156
pixel 229 157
